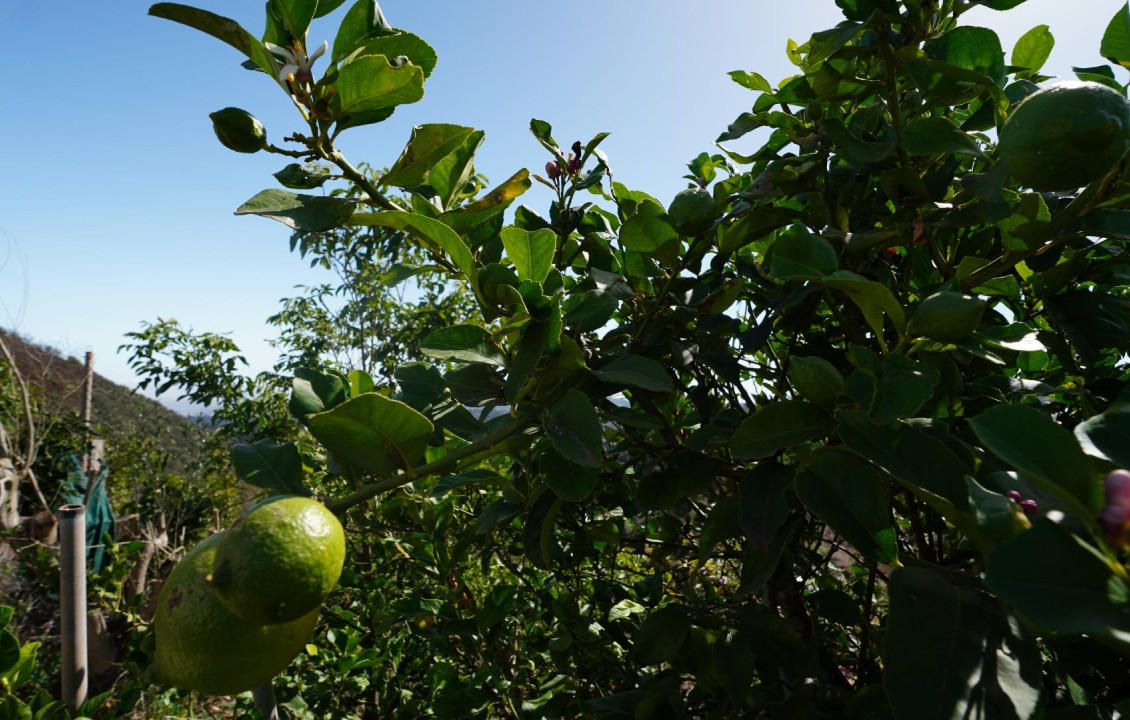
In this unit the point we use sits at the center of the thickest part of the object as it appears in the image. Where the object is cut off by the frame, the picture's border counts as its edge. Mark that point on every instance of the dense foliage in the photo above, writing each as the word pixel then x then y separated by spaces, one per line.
pixel 824 436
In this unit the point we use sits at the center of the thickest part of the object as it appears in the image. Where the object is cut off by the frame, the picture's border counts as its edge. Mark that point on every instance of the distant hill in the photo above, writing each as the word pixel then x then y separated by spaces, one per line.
pixel 117 411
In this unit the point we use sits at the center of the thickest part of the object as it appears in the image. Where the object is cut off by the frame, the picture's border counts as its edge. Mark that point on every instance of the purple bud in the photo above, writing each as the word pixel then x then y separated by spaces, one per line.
pixel 576 148
pixel 1030 507
pixel 1014 496
pixel 574 165
pixel 1113 521
pixel 553 169
pixel 1117 487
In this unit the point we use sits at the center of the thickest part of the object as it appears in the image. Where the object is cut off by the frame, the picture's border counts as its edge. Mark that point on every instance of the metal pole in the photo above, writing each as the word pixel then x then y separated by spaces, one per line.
pixel 72 601
pixel 87 411
pixel 264 697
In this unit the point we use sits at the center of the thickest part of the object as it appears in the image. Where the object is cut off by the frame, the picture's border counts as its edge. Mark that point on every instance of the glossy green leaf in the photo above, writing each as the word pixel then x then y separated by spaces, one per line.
pixel 750 81
pixel 531 252
pixel 937 135
pixel 647 230
pixel 1115 44
pixel 313 392
pixel 221 28
pixel 901 388
pixel 9 651
pixel 360 382
pixel 305 213
pixel 463 343
pixel 489 204
pixel 1060 583
pixel 848 495
pixel 571 482
pixel 450 175
pixel 537 535
pixel 296 177
pixel 433 232
pixel 1033 48
pixel 661 635
pixel 369 83
pixel 913 456
pixel 1107 436
pixel 952 652
pixel 574 429
pixel 6 614
pixel 373 432
pixel 637 371
pixel 295 15
pixel 428 145
pixel 270 465
pixel 800 254
pixel 873 298
pixel 1030 441
pixel 363 20
pixel 779 425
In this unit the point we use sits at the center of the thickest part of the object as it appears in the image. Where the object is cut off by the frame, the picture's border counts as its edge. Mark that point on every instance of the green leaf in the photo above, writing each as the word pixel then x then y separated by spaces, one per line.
pixel 951 652
pixel 296 15
pixel 1033 443
pixel 373 432
pixel 361 22
pixel 221 28
pixel 296 177
pixel 638 371
pixel 872 298
pixel 751 81
pixel 370 84
pixel 901 388
pixel 537 534
pixel 771 636
pixel 911 455
pixel 304 213
pixel 9 651
pixel 430 231
pixel 472 477
pixel 624 609
pixel 450 175
pixel 1033 48
pixel 6 614
pixel 360 382
pixel 571 482
pixel 490 204
pixel 531 252
pixel 428 145
pixel 777 426
pixel 845 492
pixel 401 46
pixel 574 429
pixel 270 465
pixel 1115 44
pixel 647 230
pixel 1104 436
pixel 970 48
pixel 463 343
pixel 661 635
pixel 798 253
pixel 314 392
pixel 1060 583
pixel 937 135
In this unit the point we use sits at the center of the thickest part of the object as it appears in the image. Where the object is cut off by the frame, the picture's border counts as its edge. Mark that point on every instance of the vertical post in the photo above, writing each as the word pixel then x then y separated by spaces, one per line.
pixel 87 400
pixel 72 601
pixel 264 697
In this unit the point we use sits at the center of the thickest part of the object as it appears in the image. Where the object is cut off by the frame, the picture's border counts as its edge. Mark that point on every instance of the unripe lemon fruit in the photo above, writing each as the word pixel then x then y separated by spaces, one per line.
pixel 692 211
pixel 1066 135
pixel 280 560
pixel 947 317
pixel 202 646
pixel 239 130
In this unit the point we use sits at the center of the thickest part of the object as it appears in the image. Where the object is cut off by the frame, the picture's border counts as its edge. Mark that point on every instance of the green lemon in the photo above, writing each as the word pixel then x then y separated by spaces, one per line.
pixel 280 560
pixel 692 211
pixel 202 646
pixel 816 379
pixel 947 317
pixel 239 130
pixel 1065 136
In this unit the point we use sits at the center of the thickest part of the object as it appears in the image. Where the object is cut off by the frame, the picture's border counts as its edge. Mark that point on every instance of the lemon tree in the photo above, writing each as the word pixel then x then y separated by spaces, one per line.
pixel 822 436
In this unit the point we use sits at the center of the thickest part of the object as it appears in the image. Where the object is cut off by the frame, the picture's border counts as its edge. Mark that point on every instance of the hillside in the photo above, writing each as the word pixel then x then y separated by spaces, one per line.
pixel 117 411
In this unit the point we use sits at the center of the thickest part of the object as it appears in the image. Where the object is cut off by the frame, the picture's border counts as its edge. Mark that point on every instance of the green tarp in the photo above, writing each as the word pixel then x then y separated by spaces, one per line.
pixel 99 513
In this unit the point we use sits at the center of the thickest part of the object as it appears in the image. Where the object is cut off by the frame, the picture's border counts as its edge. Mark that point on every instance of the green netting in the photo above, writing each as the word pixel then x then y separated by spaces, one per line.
pixel 99 514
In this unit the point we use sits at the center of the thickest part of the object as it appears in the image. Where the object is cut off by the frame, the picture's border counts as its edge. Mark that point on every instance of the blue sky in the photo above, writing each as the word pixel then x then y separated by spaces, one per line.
pixel 117 202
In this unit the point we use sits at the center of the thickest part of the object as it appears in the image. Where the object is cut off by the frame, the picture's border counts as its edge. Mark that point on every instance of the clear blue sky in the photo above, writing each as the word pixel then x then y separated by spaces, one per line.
pixel 117 199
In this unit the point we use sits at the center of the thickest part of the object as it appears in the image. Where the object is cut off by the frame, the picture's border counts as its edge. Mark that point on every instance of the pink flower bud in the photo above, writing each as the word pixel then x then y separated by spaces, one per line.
pixel 1113 521
pixel 1014 496
pixel 553 169
pixel 1117 487
pixel 1030 507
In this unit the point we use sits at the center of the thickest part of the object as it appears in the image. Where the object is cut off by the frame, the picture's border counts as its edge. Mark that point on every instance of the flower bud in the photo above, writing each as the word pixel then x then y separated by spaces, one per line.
pixel 1030 507
pixel 553 169
pixel 1117 488
pixel 239 130
pixel 1113 521
pixel 1014 496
